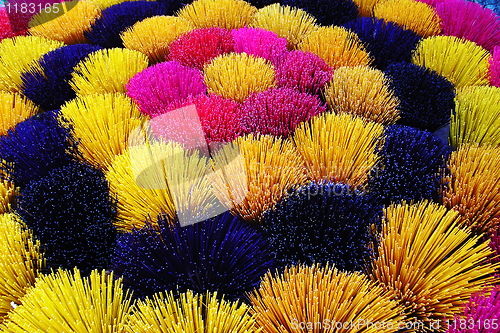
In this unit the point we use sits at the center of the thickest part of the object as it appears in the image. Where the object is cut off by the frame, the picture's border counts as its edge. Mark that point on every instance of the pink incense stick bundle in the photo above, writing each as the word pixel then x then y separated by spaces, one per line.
pixel 199 121
pixel 471 21
pixel 278 111
pixel 160 87
pixel 481 315
pixel 259 42
pixel 198 47
pixel 432 3
pixel 494 70
pixel 304 71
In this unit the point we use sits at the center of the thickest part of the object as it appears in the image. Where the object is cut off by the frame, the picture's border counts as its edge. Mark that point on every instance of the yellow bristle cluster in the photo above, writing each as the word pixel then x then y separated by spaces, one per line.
pixel 473 188
pixel 461 61
pixel 16 56
pixel 103 4
pixel 255 172
pixel 153 35
pixel 477 116
pixel 410 14
pixel 291 23
pixel 365 7
pixel 7 193
pixel 190 313
pixel 107 71
pixel 228 14
pixel 138 182
pixel 66 302
pixel 337 46
pixel 20 261
pixel 161 178
pixel 236 76
pixel 428 263
pixel 68 27
pixel 102 125
pixel 14 108
pixel 315 299
pixel 338 148
pixel 188 177
pixel 364 92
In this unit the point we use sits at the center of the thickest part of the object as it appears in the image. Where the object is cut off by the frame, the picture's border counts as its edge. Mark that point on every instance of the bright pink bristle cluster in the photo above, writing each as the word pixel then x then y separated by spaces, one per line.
pixel 18 24
pixel 15 17
pixel 494 242
pixel 494 71
pixel 481 315
pixel 432 3
pixel 198 47
pixel 157 89
pixel 5 28
pixel 219 119
pixel 471 21
pixel 304 71
pixel 278 111
pixel 260 43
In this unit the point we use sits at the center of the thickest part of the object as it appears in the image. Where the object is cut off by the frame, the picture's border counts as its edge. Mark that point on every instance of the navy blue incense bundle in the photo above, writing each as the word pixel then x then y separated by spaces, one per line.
pixel 324 223
pixel 50 88
pixel 386 42
pixel 71 212
pixel 411 167
pixel 106 30
pixel 35 147
pixel 426 98
pixel 224 254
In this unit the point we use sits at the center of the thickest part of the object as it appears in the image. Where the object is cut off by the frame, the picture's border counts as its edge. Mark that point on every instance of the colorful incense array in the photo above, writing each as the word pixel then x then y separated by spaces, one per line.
pixel 249 166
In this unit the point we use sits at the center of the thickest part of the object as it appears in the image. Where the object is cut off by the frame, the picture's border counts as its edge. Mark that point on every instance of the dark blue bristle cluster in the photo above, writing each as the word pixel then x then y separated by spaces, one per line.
pixel 327 12
pixel 426 98
pixel 106 30
pixel 223 254
pixel 71 212
pixel 173 6
pixel 386 42
pixel 324 223
pixel 50 89
pixel 411 167
pixel 261 3
pixel 35 147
